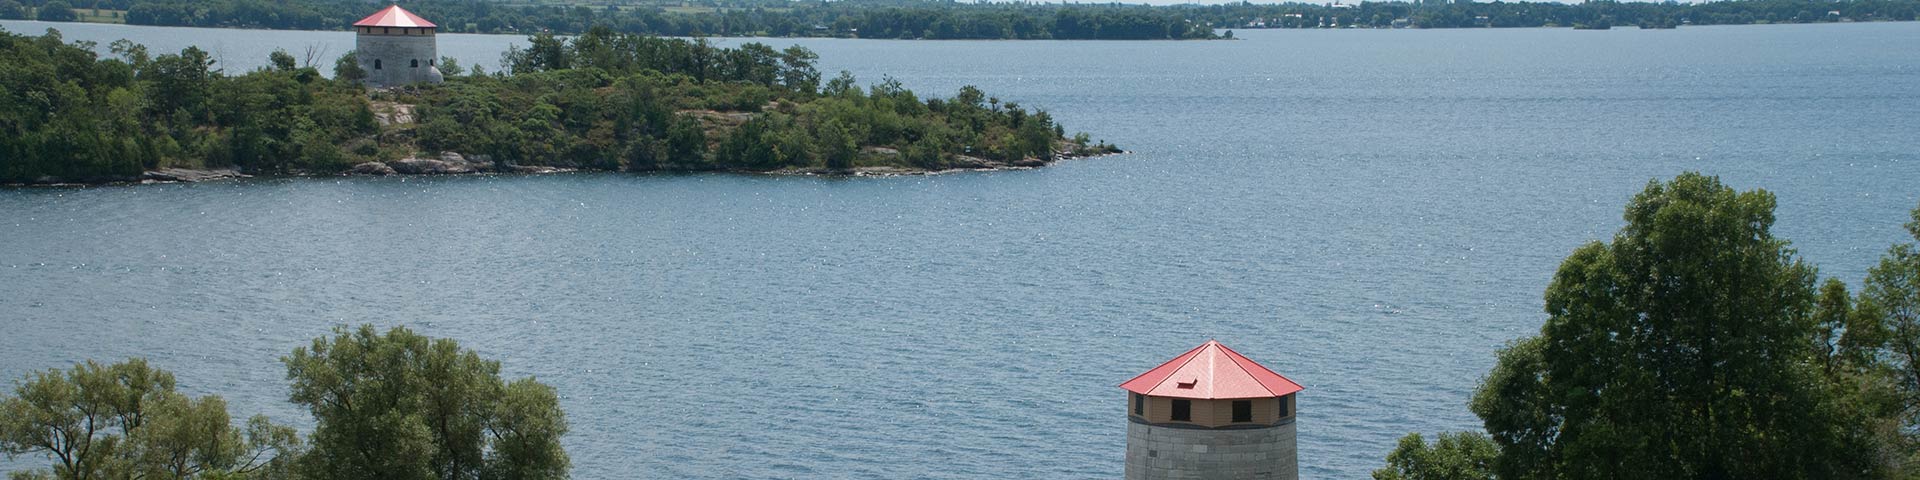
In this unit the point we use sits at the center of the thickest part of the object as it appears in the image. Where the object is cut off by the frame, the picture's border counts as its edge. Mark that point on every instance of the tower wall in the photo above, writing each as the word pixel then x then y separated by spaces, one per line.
pixel 388 58
pixel 1156 452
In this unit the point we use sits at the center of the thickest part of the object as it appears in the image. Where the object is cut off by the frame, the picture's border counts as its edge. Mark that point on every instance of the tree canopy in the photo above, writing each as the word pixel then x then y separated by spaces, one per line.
pixel 599 101
pixel 1678 350
pixel 1454 456
pixel 387 406
pixel 125 420
pixel 403 406
pixel 1696 345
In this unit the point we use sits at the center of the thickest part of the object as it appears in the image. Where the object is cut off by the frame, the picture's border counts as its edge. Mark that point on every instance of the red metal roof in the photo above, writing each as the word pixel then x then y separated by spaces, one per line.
pixel 394 16
pixel 1211 371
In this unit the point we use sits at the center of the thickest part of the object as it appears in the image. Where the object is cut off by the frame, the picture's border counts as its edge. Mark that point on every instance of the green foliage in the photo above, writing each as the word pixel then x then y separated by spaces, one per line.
pixel 347 68
pixel 450 67
pixel 56 11
pixel 404 406
pixel 603 101
pixel 126 421
pixel 281 60
pixel 1547 14
pixel 1454 456
pixel 994 20
pixel 67 115
pixel 1682 349
pixel 1883 338
pixel 12 10
pixel 607 100
pixel 859 18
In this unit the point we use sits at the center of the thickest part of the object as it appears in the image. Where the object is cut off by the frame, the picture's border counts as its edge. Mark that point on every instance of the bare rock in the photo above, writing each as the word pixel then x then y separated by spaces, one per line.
pixel 426 166
pixel 966 161
pixel 373 168
pixel 190 175
pixel 390 113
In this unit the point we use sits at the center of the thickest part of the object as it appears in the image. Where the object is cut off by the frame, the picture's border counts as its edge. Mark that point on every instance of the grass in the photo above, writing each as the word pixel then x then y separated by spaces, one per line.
pixel 101 15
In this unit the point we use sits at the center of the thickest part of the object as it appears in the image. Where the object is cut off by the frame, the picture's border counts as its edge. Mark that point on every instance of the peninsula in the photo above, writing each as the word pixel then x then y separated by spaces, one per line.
pixel 601 101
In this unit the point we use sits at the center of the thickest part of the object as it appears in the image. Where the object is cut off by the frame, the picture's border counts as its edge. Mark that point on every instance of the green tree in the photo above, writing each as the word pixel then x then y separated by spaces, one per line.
pixel 281 60
pixel 1888 322
pixel 837 147
pixel 181 82
pixel 796 69
pixel 12 10
pixel 405 406
pixel 1454 456
pixel 450 67
pixel 1683 349
pixel 57 11
pixel 126 421
pixel 347 68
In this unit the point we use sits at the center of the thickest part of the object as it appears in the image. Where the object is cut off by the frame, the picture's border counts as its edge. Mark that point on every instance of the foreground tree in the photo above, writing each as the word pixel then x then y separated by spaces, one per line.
pixel 1683 349
pixel 126 421
pixel 404 406
pixel 1454 456
pixel 1885 337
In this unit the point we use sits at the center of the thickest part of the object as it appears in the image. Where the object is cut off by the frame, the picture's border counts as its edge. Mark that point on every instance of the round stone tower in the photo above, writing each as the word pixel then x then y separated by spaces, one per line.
pixel 396 48
pixel 1211 413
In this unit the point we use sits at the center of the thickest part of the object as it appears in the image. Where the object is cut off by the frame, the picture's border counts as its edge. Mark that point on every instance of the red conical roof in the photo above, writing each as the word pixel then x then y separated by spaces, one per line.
pixel 1211 371
pixel 394 16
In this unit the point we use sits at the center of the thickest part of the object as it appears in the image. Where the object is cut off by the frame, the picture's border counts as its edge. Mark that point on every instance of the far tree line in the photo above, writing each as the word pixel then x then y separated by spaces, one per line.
pixel 1697 345
pixel 848 18
pixel 393 405
pixel 925 19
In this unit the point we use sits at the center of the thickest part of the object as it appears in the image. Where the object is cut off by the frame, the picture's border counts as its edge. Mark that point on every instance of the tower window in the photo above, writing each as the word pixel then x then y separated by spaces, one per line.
pixel 416 63
pixel 1139 404
pixel 376 64
pixel 1283 405
pixel 429 62
pixel 1242 411
pixel 1182 410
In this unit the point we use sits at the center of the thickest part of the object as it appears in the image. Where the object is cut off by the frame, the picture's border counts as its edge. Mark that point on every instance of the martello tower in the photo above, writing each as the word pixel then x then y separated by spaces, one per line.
pixel 1211 413
pixel 396 48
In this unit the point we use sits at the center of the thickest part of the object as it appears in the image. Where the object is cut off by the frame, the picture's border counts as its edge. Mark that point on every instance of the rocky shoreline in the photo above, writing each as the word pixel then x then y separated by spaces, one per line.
pixel 449 163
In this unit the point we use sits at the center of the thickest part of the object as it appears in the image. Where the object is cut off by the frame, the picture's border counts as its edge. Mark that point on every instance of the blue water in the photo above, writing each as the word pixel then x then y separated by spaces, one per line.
pixel 1371 213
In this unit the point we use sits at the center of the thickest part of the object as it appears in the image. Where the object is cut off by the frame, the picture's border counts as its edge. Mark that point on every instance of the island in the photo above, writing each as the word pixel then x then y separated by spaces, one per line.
pixel 601 101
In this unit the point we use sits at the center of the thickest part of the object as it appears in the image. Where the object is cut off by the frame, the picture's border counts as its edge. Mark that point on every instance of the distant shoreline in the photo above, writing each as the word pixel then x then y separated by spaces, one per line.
pixel 56 25
pixel 169 176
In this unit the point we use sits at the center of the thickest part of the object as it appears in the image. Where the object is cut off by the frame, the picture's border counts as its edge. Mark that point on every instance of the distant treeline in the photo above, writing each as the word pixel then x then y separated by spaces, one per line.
pixel 600 101
pixel 846 18
pixel 1549 14
pixel 932 19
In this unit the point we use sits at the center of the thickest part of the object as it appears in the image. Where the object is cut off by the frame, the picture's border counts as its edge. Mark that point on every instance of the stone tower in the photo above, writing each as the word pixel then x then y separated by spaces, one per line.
pixel 1211 414
pixel 396 48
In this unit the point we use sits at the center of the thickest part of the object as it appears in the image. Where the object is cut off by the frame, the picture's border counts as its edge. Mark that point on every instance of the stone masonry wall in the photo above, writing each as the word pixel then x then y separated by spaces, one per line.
pixel 1171 453
pixel 396 54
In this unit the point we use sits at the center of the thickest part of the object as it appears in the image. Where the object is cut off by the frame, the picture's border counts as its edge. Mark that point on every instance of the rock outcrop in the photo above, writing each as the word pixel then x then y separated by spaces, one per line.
pixel 166 175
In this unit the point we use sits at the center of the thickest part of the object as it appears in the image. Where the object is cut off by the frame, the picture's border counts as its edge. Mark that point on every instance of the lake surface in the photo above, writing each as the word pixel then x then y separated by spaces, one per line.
pixel 1371 213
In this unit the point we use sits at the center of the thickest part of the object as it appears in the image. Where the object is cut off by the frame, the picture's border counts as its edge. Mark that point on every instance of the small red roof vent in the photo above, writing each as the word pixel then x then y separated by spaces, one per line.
pixel 394 16
pixel 1211 371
